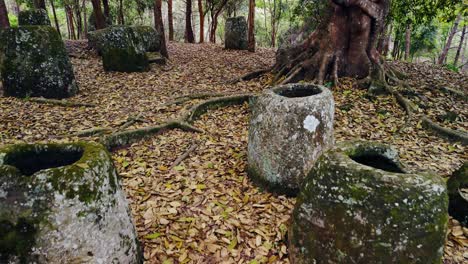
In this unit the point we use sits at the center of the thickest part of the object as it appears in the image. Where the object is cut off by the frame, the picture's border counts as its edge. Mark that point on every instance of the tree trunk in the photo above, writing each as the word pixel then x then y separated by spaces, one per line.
pixel 79 22
pixel 202 21
pixel 407 41
pixel 4 22
pixel 170 18
pixel 55 16
pixel 121 13
pixel 39 4
pixel 105 4
pixel 189 37
pixel 343 44
pixel 251 46
pixel 85 20
pixel 100 22
pixel 459 49
pixel 158 24
pixel 443 55
pixel 71 25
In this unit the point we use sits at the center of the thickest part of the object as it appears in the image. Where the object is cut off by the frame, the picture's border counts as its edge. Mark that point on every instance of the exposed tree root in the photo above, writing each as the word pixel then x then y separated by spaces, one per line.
pixel 64 103
pixel 92 132
pixel 250 76
pixel 185 98
pixel 127 137
pixel 184 156
pixel 457 93
pixel 450 134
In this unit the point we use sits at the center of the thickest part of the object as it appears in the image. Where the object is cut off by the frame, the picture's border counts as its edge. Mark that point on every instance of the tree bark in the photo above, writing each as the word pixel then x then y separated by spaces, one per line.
pixel 71 26
pixel 343 44
pixel 55 16
pixel 170 18
pixel 158 24
pixel 100 21
pixel 39 4
pixel 459 49
pixel 189 37
pixel 443 55
pixel 121 13
pixel 251 46
pixel 4 22
pixel 202 21
pixel 79 21
pixel 407 41
pixel 105 4
pixel 215 11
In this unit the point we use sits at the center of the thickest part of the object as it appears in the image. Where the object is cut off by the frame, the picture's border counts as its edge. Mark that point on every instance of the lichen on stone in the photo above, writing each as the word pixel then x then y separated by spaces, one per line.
pixel 33 17
pixel 235 36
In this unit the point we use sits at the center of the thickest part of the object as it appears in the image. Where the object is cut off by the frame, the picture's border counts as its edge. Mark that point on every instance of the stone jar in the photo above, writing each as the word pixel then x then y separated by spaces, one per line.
pixel 235 36
pixel 62 203
pixel 290 126
pixel 358 205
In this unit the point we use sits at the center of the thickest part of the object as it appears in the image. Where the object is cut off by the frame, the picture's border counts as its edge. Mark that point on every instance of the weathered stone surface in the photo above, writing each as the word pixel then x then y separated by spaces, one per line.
pixel 235 36
pixel 121 49
pixel 457 187
pixel 358 206
pixel 290 127
pixel 34 62
pixel 62 203
pixel 33 17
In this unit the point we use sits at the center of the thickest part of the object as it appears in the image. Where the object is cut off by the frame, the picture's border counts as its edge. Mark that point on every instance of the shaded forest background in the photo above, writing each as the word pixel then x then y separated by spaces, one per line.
pixel 416 31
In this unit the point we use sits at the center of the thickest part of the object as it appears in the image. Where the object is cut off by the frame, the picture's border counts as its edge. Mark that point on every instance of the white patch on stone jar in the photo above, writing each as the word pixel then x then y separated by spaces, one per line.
pixel 311 123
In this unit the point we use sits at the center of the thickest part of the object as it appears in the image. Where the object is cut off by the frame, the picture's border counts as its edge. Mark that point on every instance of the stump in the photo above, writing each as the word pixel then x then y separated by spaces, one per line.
pixel 120 48
pixel 62 203
pixel 35 63
pixel 235 36
pixel 359 206
pixel 34 17
pixel 290 127
pixel 457 186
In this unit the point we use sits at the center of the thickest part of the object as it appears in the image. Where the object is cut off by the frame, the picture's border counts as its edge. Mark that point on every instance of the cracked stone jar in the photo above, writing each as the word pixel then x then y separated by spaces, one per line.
pixel 290 126
pixel 62 203
pixel 358 205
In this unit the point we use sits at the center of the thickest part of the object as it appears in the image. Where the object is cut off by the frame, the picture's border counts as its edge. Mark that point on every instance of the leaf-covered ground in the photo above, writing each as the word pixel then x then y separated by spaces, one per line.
pixel 205 209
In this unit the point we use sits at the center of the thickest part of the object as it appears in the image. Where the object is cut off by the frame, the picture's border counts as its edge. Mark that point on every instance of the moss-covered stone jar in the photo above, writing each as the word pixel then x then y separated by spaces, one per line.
pixel 290 126
pixel 35 63
pixel 235 33
pixel 33 17
pixel 62 203
pixel 358 205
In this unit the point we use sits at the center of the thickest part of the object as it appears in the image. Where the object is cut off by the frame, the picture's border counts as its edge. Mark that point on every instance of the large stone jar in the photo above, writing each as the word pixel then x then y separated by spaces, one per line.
pixel 358 205
pixel 34 62
pixel 235 35
pixel 290 126
pixel 62 203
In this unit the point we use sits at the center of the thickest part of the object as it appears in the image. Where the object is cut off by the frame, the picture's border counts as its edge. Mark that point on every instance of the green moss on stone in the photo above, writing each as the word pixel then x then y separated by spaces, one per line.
pixel 33 17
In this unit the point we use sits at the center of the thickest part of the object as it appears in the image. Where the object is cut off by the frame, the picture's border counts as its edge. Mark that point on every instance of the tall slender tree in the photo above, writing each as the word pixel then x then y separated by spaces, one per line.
pixel 52 5
pixel 189 37
pixel 251 46
pixel 444 53
pixel 39 4
pixel 4 22
pixel 105 4
pixel 159 25
pixel 460 46
pixel 215 7
pixel 121 17
pixel 170 20
pixel 202 21
pixel 407 41
pixel 100 21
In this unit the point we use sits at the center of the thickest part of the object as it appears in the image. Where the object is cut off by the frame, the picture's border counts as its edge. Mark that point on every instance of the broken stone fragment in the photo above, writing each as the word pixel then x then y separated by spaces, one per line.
pixel 358 205
pixel 458 194
pixel 35 63
pixel 62 203
pixel 33 17
pixel 235 36
pixel 290 127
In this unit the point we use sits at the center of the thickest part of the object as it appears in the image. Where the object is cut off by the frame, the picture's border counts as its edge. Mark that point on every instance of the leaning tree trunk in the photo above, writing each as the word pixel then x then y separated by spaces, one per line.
pixel 189 37
pixel 443 55
pixel 343 44
pixel 55 16
pixel 4 22
pixel 158 24
pixel 460 45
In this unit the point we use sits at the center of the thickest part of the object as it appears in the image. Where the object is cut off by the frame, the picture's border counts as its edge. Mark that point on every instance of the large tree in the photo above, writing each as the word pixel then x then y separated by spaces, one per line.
pixel 343 44
pixel 4 22
pixel 158 24
pixel 100 20
pixel 189 36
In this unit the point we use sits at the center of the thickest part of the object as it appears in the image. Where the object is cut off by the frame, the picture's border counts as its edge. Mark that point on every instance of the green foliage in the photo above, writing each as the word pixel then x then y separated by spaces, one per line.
pixel 13 20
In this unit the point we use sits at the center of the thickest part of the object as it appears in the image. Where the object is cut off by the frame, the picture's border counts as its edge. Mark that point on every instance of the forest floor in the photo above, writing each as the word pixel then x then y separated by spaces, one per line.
pixel 205 209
